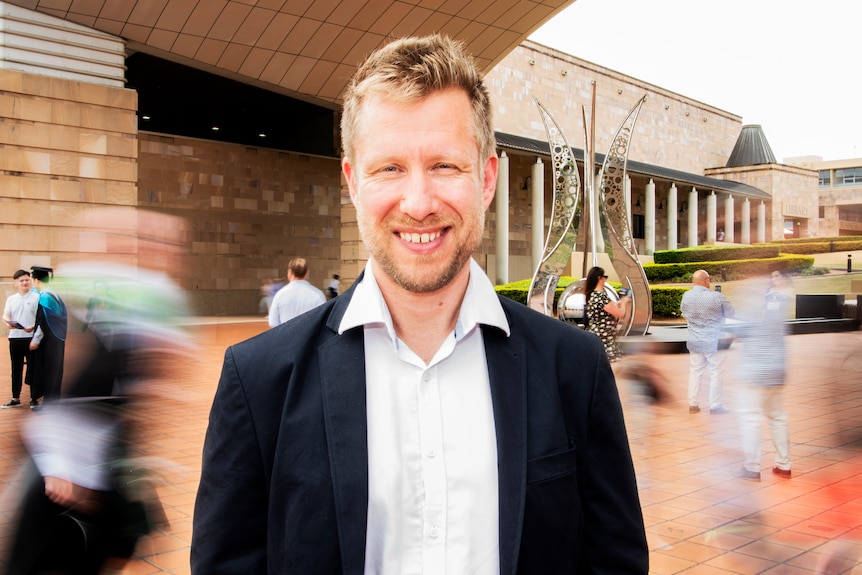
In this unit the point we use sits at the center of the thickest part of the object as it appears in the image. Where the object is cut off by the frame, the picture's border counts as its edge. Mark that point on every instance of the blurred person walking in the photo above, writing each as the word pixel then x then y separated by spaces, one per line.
pixel 297 297
pixel 48 346
pixel 706 312
pixel 19 313
pixel 86 499
pixel 762 369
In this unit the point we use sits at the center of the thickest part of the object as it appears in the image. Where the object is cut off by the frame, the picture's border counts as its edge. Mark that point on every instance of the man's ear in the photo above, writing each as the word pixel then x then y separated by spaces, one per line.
pixel 489 180
pixel 350 176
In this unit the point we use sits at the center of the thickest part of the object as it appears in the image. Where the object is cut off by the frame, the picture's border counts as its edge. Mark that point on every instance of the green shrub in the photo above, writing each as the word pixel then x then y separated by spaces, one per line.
pixel 666 301
pixel 715 253
pixel 820 239
pixel 821 247
pixel 733 269
pixel 517 290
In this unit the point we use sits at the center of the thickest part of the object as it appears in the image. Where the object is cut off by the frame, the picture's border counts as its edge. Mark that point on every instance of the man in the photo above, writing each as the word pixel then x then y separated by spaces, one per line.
pixel 48 346
pixel 762 367
pixel 705 311
pixel 418 422
pixel 297 297
pixel 19 313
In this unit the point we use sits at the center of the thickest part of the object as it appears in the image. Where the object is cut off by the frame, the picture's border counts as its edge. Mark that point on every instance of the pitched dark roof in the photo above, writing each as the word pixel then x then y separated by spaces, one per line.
pixel 751 148
pixel 538 147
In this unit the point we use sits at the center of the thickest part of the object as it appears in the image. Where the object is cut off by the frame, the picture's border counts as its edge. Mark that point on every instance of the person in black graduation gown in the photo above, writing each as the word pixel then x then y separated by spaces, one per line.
pixel 48 347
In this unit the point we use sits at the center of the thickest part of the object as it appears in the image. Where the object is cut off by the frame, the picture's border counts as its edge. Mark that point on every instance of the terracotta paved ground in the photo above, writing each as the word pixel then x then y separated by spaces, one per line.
pixel 700 518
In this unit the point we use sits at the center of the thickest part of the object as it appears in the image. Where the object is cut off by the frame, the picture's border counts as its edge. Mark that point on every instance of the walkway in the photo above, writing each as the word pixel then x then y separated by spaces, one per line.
pixel 701 519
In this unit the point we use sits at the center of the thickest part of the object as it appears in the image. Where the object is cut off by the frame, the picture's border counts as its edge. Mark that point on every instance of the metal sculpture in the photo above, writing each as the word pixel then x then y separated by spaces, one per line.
pixel 563 228
pixel 619 244
pixel 610 215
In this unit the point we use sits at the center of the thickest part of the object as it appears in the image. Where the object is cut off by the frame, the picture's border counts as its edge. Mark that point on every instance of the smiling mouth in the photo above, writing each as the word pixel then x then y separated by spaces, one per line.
pixel 423 238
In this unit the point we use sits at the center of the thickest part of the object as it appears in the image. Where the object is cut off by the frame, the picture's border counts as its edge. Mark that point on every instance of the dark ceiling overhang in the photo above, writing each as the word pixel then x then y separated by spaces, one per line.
pixel 306 49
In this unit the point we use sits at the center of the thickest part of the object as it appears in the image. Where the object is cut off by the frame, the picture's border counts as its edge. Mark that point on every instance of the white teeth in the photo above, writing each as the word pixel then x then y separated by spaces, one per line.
pixel 420 238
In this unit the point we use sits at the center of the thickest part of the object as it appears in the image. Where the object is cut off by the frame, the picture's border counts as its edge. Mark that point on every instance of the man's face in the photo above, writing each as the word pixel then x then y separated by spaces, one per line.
pixel 420 188
pixel 23 284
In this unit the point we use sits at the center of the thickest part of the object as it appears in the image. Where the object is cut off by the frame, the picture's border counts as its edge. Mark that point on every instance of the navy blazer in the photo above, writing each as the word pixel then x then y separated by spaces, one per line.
pixel 284 485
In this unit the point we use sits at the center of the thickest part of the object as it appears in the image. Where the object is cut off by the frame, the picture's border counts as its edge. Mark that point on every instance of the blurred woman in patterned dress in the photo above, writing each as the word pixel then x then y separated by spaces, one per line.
pixel 603 315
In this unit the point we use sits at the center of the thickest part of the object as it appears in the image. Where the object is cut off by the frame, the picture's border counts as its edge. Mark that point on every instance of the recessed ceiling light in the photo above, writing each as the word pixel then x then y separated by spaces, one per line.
pixel 145 117
pixel 262 135
pixel 215 128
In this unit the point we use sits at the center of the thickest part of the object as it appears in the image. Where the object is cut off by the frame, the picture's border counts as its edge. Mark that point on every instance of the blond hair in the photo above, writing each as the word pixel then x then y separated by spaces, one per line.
pixel 410 69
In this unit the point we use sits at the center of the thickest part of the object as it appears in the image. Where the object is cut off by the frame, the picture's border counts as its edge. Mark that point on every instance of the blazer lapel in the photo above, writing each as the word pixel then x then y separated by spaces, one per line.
pixel 342 368
pixel 508 375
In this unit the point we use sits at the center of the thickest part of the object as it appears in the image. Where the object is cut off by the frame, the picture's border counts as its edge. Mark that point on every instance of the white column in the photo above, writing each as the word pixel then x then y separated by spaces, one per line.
pixel 672 218
pixel 692 218
pixel 711 217
pixel 728 219
pixel 537 182
pixel 649 218
pixel 761 223
pixel 501 238
pixel 745 223
pixel 627 197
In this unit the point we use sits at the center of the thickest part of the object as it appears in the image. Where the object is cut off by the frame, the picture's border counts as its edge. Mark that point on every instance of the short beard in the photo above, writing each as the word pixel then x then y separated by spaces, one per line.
pixel 403 279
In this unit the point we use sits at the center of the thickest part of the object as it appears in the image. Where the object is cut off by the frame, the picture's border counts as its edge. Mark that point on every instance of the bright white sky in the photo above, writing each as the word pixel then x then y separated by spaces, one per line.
pixel 792 66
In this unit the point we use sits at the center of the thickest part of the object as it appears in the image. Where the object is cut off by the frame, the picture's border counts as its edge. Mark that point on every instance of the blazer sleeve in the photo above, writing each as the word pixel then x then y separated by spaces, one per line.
pixel 614 536
pixel 230 517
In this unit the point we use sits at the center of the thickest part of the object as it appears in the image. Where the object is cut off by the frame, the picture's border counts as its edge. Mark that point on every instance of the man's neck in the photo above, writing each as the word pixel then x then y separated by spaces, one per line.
pixel 424 320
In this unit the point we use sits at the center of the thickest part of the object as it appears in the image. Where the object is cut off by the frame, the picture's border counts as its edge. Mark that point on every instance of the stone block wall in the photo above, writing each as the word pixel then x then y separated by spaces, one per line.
pixel 67 147
pixel 250 211
pixel 672 130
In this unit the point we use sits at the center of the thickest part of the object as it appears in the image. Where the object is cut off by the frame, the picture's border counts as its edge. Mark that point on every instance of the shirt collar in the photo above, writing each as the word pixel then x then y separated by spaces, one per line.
pixel 481 305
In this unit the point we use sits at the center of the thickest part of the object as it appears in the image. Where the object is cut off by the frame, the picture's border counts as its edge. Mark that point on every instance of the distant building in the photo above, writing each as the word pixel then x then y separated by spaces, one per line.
pixel 839 194
pixel 112 103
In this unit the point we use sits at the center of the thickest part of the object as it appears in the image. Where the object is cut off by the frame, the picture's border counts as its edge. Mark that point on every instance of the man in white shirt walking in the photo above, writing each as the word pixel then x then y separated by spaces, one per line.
pixel 19 314
pixel 297 297
pixel 705 311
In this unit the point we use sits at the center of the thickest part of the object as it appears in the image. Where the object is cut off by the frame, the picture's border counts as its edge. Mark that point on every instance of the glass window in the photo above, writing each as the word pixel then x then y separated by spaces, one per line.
pixel 825 179
pixel 848 177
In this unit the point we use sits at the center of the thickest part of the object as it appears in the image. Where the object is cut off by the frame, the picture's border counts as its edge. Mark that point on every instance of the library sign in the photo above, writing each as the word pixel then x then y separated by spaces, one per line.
pixel 795 210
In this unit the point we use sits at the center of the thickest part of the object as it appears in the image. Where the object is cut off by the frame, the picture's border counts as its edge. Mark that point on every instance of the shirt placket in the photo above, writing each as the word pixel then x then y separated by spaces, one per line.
pixel 433 473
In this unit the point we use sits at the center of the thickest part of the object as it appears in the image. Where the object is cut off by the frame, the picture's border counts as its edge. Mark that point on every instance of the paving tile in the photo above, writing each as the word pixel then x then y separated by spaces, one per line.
pixel 701 519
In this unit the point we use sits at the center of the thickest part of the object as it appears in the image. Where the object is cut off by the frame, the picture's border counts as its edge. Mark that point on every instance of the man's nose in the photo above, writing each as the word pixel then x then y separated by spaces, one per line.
pixel 418 198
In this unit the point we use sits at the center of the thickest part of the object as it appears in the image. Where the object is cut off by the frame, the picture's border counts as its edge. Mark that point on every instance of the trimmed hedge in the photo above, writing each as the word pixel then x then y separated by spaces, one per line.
pixel 715 254
pixel 734 269
pixel 517 291
pixel 819 239
pixel 665 300
pixel 821 247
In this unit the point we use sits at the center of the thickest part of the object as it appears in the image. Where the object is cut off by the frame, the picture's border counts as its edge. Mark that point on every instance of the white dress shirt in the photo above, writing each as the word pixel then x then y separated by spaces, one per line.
pixel 432 451
pixel 295 298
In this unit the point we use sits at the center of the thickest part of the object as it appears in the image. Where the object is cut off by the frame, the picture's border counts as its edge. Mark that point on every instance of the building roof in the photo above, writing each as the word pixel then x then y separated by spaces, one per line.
pixel 538 147
pixel 307 49
pixel 751 148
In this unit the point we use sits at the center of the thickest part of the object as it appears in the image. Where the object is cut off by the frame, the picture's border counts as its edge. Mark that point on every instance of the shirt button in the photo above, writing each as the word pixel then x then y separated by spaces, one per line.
pixel 434 532
pixel 432 454
pixel 426 376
